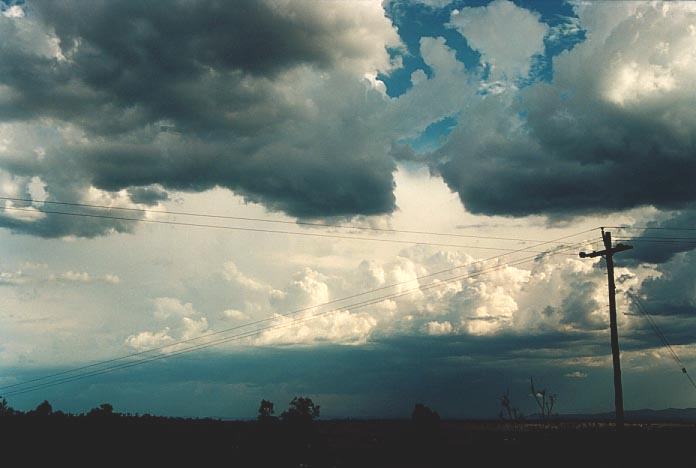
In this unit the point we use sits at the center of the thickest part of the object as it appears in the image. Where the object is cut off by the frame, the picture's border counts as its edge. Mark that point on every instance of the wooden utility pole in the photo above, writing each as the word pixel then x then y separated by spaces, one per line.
pixel 608 254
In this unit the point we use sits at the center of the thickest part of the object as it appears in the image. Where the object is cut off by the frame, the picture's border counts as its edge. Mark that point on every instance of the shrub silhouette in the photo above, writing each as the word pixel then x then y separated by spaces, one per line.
pixel 508 411
pixel 544 399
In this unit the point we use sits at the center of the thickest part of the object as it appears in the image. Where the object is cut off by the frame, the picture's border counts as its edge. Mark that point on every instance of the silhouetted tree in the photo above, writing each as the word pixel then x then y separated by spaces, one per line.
pixel 266 411
pixel 44 409
pixel 105 409
pixel 545 400
pixel 301 410
pixel 5 409
pixel 426 433
pixel 422 415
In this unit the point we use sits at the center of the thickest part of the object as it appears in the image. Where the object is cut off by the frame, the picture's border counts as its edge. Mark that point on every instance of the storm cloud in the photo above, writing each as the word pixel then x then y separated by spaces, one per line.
pixel 268 99
pixel 340 109
pixel 612 130
pixel 279 102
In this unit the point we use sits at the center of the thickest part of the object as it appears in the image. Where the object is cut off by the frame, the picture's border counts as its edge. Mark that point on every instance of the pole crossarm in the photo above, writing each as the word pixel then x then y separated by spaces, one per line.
pixel 616 249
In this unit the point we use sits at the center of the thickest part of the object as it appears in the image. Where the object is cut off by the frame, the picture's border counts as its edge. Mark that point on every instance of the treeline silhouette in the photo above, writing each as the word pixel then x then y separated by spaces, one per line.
pixel 302 411
pixel 296 437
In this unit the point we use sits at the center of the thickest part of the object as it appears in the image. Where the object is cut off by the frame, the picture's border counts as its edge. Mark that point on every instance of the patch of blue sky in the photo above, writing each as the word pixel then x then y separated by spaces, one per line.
pixel 433 136
pixel 565 32
pixel 415 20
pixel 5 4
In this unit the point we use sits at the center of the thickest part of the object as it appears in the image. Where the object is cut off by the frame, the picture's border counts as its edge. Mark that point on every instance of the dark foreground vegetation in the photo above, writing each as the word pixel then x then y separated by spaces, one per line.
pixel 102 437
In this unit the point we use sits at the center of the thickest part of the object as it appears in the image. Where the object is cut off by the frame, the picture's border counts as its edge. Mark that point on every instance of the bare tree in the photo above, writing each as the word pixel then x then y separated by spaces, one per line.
pixel 545 400
pixel 508 411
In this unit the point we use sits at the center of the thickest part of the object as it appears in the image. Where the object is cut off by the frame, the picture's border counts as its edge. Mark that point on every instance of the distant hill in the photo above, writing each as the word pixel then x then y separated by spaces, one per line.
pixel 648 415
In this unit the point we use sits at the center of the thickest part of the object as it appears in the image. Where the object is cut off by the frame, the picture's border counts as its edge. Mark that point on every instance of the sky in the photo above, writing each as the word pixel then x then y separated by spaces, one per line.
pixel 478 126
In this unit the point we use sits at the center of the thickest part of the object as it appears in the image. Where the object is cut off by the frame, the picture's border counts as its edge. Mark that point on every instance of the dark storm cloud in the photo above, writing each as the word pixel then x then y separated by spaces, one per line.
pixel 608 160
pixel 385 378
pixel 662 240
pixel 320 184
pixel 673 292
pixel 147 195
pixel 460 376
pixel 612 130
pixel 577 307
pixel 153 61
pixel 195 95
pixel 251 35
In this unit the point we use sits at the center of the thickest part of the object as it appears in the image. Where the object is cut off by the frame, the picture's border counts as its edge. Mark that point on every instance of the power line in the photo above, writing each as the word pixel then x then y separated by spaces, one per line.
pixel 650 228
pixel 671 238
pixel 246 334
pixel 643 242
pixel 289 313
pixel 248 229
pixel 638 302
pixel 270 327
pixel 264 220
pixel 654 240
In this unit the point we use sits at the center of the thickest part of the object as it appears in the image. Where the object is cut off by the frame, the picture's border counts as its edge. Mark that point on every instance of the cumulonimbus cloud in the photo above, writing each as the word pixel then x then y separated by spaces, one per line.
pixel 268 99
pixel 611 130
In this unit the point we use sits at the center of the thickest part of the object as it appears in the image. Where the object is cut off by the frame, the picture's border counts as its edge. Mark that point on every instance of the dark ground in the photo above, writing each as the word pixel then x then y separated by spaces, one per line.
pixel 150 441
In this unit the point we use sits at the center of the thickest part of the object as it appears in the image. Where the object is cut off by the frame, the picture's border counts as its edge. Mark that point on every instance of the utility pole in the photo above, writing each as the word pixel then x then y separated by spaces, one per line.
pixel 608 254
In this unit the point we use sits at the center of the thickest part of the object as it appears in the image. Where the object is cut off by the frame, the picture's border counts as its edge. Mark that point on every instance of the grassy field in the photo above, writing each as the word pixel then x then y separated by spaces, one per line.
pixel 128 441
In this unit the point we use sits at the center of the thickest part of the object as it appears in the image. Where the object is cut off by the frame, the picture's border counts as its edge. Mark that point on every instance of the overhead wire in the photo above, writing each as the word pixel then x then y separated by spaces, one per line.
pixel 250 229
pixel 238 337
pixel 650 228
pixel 524 249
pixel 639 303
pixel 663 240
pixel 674 238
pixel 262 220
pixel 258 331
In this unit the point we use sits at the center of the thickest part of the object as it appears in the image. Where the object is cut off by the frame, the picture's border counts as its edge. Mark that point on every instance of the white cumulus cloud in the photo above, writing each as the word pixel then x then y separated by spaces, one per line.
pixel 506 36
